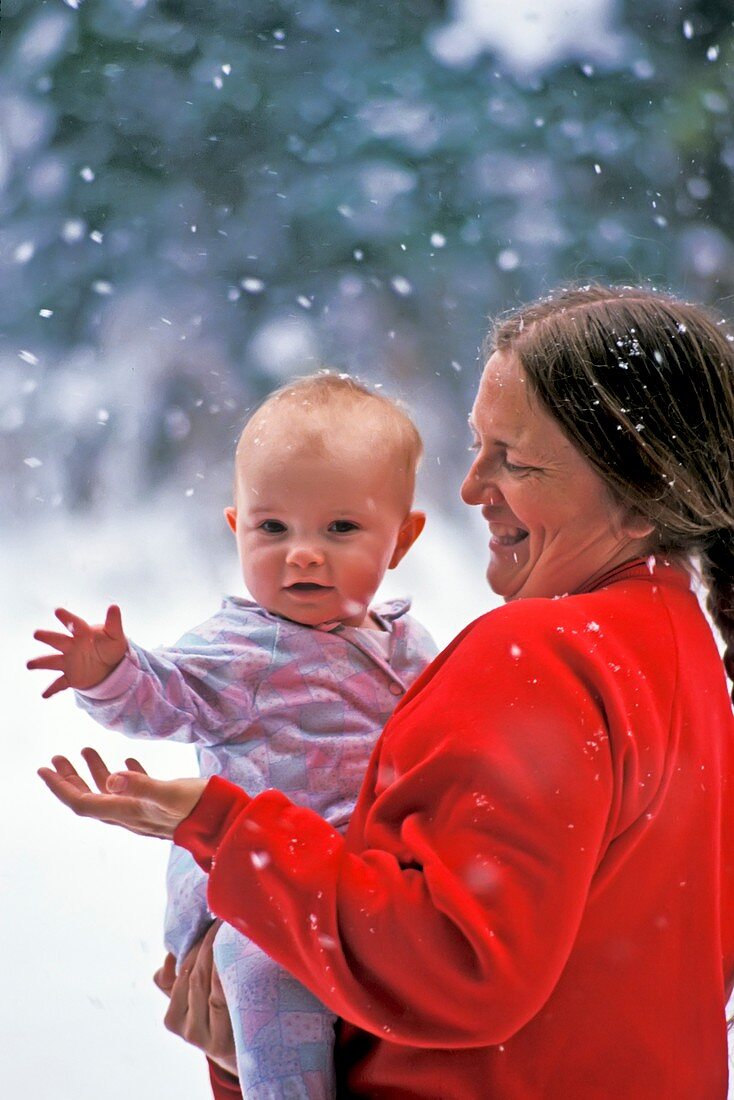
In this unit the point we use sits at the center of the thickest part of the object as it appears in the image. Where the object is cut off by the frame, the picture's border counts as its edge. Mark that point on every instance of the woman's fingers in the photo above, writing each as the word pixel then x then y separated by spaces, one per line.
pixel 197 1010
pixel 216 997
pixel 97 768
pixel 140 785
pixel 132 799
pixel 168 800
pixel 176 1015
pixel 221 1037
pixel 165 975
pixel 210 934
pixel 188 1009
pixel 201 974
pixel 66 770
pixel 64 781
pixel 134 765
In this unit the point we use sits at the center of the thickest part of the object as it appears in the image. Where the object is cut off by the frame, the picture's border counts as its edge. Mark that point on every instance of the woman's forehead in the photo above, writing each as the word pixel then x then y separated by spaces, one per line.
pixel 503 392
pixel 507 413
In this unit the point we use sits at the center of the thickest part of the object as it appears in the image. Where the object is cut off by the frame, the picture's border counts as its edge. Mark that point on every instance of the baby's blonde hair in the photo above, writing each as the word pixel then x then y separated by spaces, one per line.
pixel 319 397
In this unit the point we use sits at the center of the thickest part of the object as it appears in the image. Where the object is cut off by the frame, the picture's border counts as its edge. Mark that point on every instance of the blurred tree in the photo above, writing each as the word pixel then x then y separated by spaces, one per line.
pixel 199 199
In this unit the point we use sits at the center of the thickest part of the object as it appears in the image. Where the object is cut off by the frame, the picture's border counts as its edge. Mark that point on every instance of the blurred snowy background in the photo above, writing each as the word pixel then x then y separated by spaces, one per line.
pixel 200 199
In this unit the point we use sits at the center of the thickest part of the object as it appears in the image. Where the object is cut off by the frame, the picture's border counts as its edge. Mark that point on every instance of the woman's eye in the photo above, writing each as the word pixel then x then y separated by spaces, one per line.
pixel 342 526
pixel 272 527
pixel 513 468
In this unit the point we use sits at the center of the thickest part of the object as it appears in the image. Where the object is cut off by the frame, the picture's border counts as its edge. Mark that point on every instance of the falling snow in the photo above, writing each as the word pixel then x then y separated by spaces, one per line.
pixel 253 286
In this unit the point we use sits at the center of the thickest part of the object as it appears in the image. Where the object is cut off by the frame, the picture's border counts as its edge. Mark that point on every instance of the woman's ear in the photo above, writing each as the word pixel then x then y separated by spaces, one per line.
pixel 409 531
pixel 230 514
pixel 636 527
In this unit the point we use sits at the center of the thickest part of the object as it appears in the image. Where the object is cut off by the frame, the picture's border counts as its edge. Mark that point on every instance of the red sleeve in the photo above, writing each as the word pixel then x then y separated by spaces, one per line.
pixel 214 813
pixel 447 915
pixel 224 1085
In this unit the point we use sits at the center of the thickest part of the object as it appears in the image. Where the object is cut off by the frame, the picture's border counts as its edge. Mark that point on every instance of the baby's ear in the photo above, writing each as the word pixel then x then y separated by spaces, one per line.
pixel 411 528
pixel 230 514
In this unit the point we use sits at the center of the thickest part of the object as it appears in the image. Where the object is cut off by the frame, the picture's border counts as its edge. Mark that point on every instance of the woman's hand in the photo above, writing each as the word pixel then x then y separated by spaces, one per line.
pixel 197 1011
pixel 131 799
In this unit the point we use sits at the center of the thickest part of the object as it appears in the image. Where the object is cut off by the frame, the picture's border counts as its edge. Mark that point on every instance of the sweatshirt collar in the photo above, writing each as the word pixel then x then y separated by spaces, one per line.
pixel 654 568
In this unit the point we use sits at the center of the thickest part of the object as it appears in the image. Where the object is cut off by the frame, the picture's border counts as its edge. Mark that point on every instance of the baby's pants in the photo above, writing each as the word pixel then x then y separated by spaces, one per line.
pixel 284 1037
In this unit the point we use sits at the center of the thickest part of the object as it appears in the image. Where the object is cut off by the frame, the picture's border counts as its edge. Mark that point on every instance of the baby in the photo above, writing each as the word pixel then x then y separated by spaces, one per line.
pixel 289 691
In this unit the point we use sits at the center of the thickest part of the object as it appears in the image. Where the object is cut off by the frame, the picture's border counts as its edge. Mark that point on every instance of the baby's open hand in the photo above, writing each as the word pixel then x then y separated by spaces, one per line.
pixel 86 655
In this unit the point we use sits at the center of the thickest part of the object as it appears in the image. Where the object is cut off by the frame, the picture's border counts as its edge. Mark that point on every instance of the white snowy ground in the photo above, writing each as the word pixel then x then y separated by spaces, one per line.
pixel 82 904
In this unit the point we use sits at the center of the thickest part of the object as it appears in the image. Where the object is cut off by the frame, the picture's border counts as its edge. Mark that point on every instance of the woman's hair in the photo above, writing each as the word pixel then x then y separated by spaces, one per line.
pixel 643 386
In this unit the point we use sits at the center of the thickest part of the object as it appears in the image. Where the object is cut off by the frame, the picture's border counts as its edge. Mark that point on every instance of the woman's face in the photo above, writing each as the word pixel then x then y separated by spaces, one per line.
pixel 553 523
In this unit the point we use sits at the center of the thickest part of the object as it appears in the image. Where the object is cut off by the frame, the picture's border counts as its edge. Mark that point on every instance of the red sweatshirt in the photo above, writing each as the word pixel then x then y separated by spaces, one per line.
pixel 535 897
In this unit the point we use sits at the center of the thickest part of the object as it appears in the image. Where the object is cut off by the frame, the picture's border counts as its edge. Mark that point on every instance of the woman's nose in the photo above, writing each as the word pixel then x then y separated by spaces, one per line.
pixel 477 489
pixel 304 554
pixel 469 488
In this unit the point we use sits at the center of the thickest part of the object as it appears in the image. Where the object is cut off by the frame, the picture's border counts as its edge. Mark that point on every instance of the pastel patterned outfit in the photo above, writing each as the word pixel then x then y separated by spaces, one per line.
pixel 269 704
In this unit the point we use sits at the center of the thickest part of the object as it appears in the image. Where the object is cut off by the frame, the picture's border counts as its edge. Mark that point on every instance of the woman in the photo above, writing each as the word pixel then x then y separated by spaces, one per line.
pixel 536 893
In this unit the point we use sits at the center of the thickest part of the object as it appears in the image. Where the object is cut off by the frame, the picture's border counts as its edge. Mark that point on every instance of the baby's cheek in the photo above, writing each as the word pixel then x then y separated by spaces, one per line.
pixel 368 571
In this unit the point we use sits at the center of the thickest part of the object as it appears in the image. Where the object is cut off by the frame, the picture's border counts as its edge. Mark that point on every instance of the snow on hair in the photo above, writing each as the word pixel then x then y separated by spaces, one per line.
pixel 643 385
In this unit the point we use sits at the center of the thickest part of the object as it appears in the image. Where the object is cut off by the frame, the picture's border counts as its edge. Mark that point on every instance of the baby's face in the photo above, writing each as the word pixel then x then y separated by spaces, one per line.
pixel 316 533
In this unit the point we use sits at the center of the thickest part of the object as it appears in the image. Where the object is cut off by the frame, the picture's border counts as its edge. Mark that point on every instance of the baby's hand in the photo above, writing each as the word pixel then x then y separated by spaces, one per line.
pixel 86 655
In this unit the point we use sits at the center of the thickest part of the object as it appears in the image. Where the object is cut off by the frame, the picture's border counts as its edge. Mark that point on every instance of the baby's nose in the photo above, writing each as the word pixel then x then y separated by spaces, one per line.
pixel 305 554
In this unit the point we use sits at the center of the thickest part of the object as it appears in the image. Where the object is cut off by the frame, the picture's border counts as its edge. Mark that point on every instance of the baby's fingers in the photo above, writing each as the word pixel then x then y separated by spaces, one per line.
pixel 53 661
pixel 62 642
pixel 113 622
pixel 71 621
pixel 61 684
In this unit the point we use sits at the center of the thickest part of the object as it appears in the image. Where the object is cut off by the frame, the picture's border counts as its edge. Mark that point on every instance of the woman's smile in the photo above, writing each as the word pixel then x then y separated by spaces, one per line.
pixel 552 521
pixel 505 536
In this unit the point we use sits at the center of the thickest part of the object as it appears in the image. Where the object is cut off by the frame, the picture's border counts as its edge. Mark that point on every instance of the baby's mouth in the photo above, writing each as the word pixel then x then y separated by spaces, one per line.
pixel 307 586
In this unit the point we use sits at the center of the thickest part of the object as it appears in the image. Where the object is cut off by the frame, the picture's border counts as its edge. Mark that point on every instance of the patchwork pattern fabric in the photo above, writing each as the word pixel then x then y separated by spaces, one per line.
pixel 268 703
pixel 284 1036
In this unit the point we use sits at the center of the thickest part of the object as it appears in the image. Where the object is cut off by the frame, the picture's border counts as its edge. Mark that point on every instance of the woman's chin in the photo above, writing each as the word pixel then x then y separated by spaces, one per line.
pixel 507 572
pixel 503 582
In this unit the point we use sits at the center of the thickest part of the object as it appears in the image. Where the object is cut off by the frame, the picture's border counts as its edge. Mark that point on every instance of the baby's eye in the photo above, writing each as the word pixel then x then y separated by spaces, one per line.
pixel 475 445
pixel 343 526
pixel 272 527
